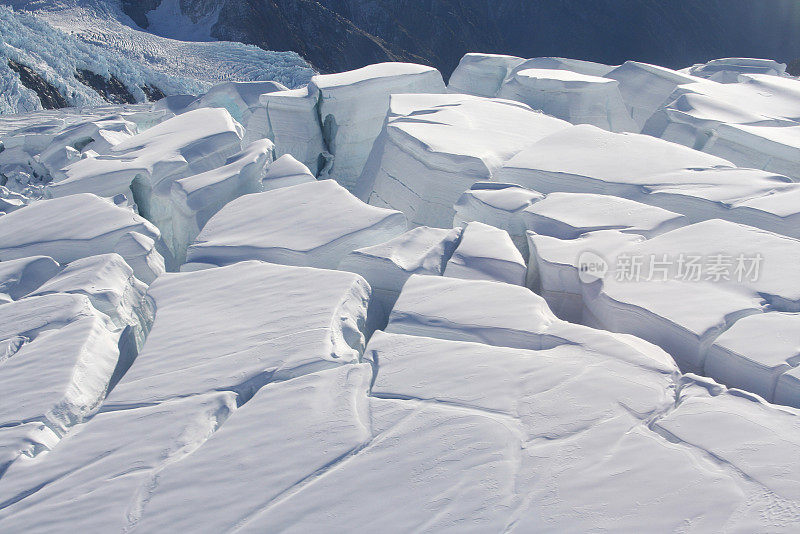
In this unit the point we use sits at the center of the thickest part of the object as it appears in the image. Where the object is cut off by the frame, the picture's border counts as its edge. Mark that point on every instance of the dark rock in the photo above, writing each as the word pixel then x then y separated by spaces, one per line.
pixel 137 10
pixel 112 89
pixel 152 92
pixel 48 95
pixel 671 33
pixel 326 39
pixel 337 35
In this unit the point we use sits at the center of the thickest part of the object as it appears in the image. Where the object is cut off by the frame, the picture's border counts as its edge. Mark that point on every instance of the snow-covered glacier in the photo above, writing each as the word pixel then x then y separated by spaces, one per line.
pixel 534 299
pixel 76 53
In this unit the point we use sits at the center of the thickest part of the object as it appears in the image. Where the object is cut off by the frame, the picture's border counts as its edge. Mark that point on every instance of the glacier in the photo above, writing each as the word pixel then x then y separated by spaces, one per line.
pixel 56 40
pixel 376 301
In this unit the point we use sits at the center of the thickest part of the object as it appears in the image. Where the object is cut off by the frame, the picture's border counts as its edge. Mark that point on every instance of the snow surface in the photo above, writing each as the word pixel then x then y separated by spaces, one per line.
pixel 217 329
pixel 311 364
pixel 577 98
pixel 687 316
pixel 708 114
pixel 286 171
pixel 331 124
pixel 554 267
pixel 288 226
pixel 88 225
pixel 195 199
pixel 433 147
pixel 387 266
pixel 486 253
pixel 352 106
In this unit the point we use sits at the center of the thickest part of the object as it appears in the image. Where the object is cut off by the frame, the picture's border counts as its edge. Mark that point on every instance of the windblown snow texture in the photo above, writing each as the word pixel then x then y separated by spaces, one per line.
pixel 554 295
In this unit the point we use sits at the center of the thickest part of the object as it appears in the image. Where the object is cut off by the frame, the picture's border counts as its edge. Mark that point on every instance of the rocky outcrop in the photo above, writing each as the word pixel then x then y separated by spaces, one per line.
pixel 337 35
pixel 328 40
pixel 137 10
pixel 48 95
pixel 111 89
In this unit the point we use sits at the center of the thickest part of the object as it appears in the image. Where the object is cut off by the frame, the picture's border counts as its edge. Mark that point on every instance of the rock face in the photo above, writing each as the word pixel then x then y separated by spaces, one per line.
pixel 48 95
pixel 337 35
pixel 112 90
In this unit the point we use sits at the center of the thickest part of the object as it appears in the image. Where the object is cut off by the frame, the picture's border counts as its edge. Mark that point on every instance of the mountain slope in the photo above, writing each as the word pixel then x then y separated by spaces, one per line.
pixel 90 52
pixel 344 34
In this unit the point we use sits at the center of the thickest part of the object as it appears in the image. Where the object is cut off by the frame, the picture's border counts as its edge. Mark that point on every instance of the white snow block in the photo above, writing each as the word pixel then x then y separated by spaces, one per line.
pixel 770 148
pixel 58 371
pixel 312 224
pixel 499 205
pixel 140 253
pixel 291 121
pixel 645 87
pixel 486 253
pixel 422 167
pixel 573 97
pixel 682 318
pixel 112 289
pixel 754 353
pixel 787 390
pixel 98 135
pixel 145 166
pixel 578 66
pixel 239 327
pixel 748 196
pixel 187 144
pixel 240 99
pixel 33 138
pixel 86 225
pixel 353 105
pixel 195 199
pixel 446 308
pixel 694 111
pixel 284 172
pixel 101 478
pixel 417 454
pixel 698 186
pixel 387 266
pixel 759 441
pixel 310 423
pixel 505 315
pixel 587 159
pixel 24 275
pixel 557 268
pixel 682 289
pixel 728 70
pixel 606 400
pixel 481 74
pixel 568 215
pixel 753 123
pixel 26 439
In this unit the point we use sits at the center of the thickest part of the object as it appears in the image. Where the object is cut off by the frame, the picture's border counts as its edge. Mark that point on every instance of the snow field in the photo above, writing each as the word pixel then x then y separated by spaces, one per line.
pixel 384 358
